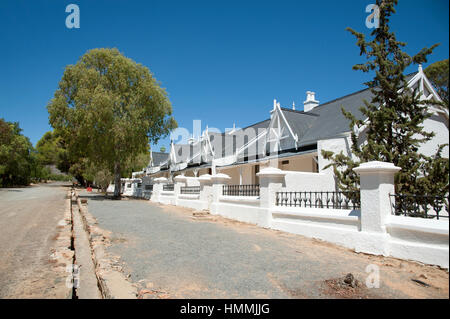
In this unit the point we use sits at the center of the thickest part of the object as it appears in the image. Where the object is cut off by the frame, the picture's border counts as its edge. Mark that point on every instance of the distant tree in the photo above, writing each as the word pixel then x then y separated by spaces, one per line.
pixel 103 178
pixel 16 155
pixel 136 163
pixel 51 150
pixel 108 108
pixel 162 149
pixel 395 115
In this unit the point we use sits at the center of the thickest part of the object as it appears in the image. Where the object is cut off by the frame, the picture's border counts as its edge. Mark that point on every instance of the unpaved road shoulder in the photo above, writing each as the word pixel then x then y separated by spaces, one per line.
pixel 29 220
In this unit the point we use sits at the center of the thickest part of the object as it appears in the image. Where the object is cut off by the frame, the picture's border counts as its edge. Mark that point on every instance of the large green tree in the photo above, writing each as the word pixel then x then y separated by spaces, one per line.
pixel 16 155
pixel 108 108
pixel 395 115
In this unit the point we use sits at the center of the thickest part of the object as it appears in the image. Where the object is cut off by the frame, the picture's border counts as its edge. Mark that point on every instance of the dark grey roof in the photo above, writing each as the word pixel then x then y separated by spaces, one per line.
pixel 256 126
pixel 324 121
pixel 159 157
pixel 242 136
pixel 299 121
pixel 330 121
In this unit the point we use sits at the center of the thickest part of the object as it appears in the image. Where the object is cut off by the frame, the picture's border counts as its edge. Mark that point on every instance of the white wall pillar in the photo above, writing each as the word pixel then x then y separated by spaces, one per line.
pixel 218 180
pixel 179 181
pixel 377 182
pixel 157 188
pixel 271 180
pixel 205 191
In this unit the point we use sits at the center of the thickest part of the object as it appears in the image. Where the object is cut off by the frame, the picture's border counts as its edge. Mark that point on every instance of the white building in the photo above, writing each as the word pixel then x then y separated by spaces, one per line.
pixel 272 174
pixel 291 139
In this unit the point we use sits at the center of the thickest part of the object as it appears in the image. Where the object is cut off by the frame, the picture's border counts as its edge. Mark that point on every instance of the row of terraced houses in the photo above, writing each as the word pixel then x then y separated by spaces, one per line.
pixel 273 174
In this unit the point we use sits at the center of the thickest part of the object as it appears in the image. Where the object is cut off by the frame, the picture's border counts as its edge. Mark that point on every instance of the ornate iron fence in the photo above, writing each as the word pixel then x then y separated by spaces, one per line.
pixel 424 206
pixel 168 187
pixel 190 190
pixel 240 190
pixel 334 200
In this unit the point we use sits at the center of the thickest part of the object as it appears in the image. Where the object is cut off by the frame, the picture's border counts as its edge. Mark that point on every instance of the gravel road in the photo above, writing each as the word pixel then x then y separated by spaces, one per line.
pixel 174 255
pixel 29 218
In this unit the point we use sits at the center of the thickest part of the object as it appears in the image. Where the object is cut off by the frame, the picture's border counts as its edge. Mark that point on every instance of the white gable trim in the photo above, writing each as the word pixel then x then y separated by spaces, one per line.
pixel 424 82
pixel 278 117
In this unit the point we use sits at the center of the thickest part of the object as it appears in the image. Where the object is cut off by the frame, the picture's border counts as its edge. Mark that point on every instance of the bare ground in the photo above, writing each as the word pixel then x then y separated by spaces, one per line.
pixel 223 258
pixel 29 228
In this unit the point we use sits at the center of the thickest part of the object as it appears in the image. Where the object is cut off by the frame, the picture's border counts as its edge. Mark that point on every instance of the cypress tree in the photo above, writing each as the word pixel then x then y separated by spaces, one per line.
pixel 394 127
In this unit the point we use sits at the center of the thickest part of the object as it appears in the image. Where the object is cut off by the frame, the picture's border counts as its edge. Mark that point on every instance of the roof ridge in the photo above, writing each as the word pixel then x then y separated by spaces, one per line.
pixel 298 111
pixel 343 97
pixel 255 124
pixel 357 92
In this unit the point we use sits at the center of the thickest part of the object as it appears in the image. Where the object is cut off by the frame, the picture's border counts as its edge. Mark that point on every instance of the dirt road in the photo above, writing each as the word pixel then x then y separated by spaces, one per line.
pixel 171 254
pixel 29 219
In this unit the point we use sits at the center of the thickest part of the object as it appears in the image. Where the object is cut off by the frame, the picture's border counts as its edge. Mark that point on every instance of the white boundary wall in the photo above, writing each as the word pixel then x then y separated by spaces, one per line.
pixel 241 208
pixel 303 181
pixel 372 229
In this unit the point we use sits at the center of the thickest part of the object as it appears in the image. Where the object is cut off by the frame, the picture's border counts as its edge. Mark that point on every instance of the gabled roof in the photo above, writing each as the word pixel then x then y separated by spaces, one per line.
pixel 299 121
pixel 258 125
pixel 324 121
pixel 159 158
pixel 256 129
pixel 330 121
pixel 183 152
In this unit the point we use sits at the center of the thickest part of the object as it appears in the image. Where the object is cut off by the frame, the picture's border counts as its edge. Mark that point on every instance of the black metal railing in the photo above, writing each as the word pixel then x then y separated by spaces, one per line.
pixel 190 190
pixel 241 190
pixel 424 206
pixel 149 187
pixel 168 187
pixel 332 200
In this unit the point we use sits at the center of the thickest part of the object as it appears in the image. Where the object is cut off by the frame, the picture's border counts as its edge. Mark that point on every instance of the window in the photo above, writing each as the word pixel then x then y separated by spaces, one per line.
pixel 139 185
pixel 128 185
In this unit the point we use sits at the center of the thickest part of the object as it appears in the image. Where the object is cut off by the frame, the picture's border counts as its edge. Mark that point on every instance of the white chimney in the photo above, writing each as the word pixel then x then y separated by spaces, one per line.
pixel 310 102
pixel 191 139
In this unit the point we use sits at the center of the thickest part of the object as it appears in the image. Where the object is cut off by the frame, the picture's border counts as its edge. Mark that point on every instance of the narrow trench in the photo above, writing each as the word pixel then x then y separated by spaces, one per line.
pixel 72 247
pixel 86 281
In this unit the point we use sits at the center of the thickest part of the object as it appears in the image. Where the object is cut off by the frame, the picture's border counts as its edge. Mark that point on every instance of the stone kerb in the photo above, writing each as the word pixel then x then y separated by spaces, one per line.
pixel 271 181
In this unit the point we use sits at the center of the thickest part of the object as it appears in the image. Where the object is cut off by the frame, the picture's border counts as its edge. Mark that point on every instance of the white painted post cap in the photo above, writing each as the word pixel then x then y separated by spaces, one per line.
pixel 376 167
pixel 205 178
pixel 160 180
pixel 220 177
pixel 271 172
pixel 180 178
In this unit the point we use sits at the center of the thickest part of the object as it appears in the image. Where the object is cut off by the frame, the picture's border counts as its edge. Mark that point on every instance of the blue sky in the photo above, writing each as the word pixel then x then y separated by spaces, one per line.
pixel 222 62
